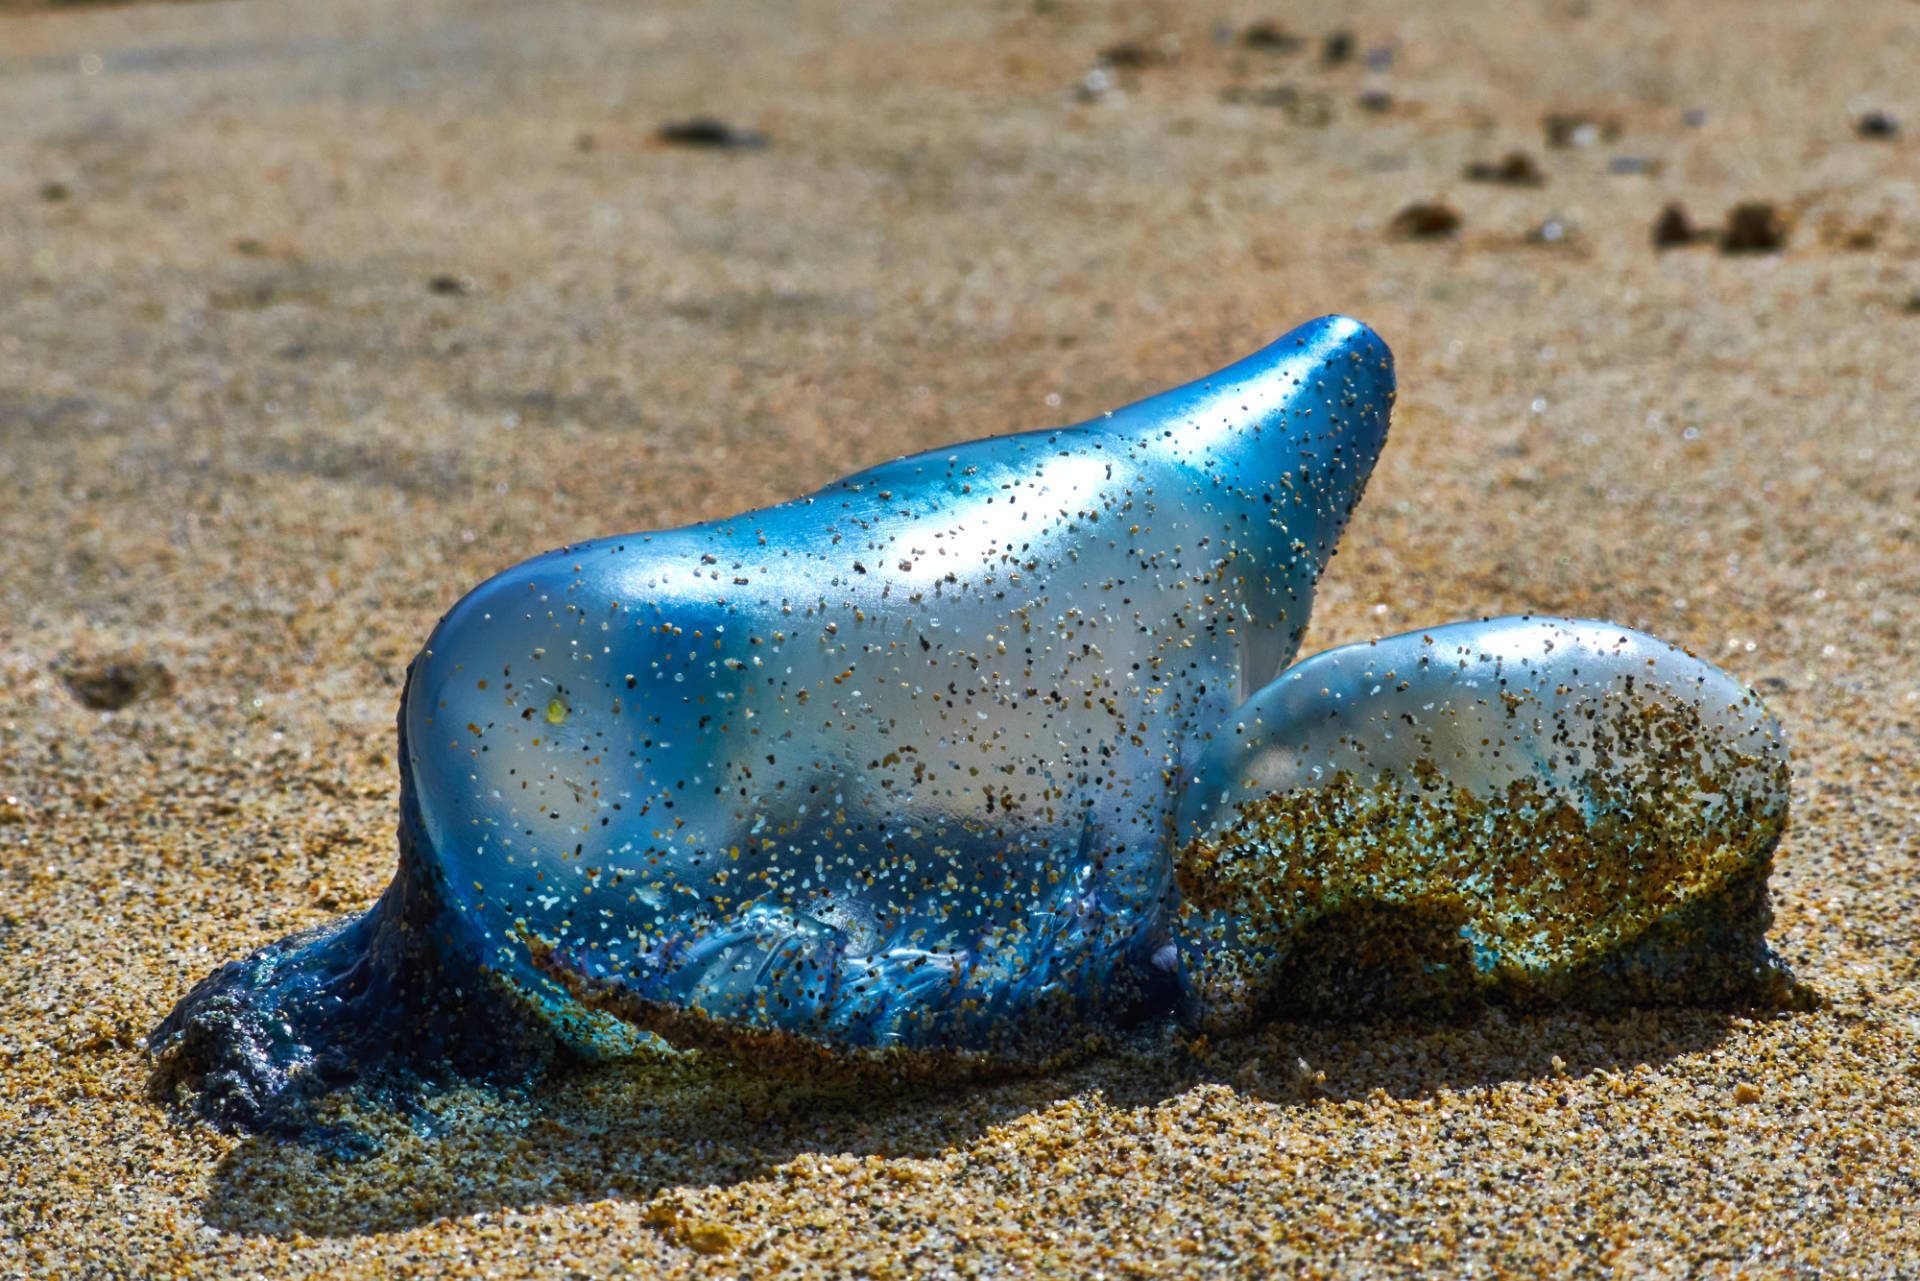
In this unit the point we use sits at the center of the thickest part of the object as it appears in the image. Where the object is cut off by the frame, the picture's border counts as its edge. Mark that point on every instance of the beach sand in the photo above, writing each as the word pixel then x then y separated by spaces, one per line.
pixel 313 316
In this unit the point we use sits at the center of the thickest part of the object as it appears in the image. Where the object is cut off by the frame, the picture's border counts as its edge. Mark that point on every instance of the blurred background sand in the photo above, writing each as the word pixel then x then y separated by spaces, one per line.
pixel 312 316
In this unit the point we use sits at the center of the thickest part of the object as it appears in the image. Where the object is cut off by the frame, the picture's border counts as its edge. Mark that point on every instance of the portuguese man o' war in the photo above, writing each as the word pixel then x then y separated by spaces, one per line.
pixel 986 747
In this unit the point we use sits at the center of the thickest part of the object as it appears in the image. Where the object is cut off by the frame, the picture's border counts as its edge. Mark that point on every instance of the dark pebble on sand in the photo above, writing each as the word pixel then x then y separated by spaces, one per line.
pixel 1272 37
pixel 1877 124
pixel 1673 228
pixel 1425 221
pixel 450 286
pixel 1515 169
pixel 54 192
pixel 1133 55
pixel 706 131
pixel 1378 101
pixel 1338 47
pixel 1754 227
pixel 111 685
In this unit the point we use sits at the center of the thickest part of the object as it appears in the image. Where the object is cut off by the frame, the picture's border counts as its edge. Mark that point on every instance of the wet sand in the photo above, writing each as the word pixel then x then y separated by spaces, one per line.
pixel 312 317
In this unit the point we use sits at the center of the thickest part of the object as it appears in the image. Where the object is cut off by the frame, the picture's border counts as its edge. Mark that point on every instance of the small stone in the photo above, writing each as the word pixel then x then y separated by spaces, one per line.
pixel 450 286
pixel 1378 101
pixel 1673 228
pixel 1338 47
pixel 1515 169
pixel 1577 129
pixel 111 685
pixel 1096 84
pixel 706 131
pixel 1877 124
pixel 707 1238
pixel 1134 55
pixel 1272 37
pixel 1746 1092
pixel 1552 231
pixel 1425 221
pixel 1912 307
pixel 1633 165
pixel 55 192
pixel 1753 227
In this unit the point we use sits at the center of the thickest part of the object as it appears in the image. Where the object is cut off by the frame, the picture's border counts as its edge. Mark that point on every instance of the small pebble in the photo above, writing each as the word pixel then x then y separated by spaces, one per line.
pixel 1753 227
pixel 1425 221
pixel 55 192
pixel 1633 165
pixel 1746 1092
pixel 450 285
pixel 1134 55
pixel 1877 124
pixel 1515 169
pixel 1378 101
pixel 709 1238
pixel 1337 48
pixel 1553 231
pixel 1673 228
pixel 1096 84
pixel 706 131
pixel 1913 305
pixel 1272 37
pixel 113 684
pixel 1577 129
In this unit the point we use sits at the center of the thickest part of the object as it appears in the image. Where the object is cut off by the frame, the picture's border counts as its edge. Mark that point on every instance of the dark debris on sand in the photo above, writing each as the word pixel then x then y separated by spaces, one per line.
pixel 1754 227
pixel 1427 220
pixel 710 132
pixel 1515 169
pixel 111 684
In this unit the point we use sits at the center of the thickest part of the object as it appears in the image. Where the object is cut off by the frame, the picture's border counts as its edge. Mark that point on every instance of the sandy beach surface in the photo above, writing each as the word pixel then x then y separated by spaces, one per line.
pixel 312 316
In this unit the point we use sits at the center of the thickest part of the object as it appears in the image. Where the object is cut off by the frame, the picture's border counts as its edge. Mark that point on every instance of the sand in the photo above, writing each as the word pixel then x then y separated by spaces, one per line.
pixel 312 316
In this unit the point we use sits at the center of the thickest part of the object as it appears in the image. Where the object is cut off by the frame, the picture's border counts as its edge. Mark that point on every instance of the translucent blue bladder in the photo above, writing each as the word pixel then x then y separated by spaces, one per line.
pixel 985 747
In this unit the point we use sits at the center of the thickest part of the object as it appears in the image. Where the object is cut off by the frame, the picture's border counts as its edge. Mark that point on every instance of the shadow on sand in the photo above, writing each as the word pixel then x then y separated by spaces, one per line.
pixel 637 1128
